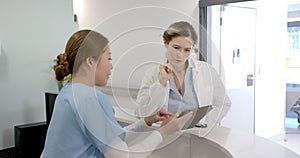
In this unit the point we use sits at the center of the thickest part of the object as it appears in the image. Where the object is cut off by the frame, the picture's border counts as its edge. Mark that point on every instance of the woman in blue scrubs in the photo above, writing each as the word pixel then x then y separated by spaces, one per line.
pixel 83 124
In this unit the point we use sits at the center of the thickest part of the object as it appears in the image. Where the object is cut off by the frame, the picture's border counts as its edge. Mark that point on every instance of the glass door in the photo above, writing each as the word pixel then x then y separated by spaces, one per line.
pixel 233 29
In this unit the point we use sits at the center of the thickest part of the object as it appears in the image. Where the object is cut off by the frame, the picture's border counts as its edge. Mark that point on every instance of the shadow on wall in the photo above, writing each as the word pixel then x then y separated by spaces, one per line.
pixel 3 66
pixel 7 135
pixel 29 111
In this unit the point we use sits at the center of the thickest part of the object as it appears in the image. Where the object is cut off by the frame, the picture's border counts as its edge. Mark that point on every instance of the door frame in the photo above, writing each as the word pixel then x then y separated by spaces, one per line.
pixel 203 20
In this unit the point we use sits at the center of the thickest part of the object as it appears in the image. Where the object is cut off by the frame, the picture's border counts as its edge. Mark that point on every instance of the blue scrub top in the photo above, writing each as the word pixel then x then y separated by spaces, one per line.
pixel 82 124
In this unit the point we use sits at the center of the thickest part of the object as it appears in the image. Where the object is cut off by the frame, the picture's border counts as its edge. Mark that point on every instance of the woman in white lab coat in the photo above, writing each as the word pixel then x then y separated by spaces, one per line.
pixel 183 83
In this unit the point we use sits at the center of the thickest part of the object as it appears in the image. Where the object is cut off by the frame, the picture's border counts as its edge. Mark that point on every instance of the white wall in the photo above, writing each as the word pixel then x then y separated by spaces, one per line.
pixel 32 33
pixel 134 28
pixel 270 83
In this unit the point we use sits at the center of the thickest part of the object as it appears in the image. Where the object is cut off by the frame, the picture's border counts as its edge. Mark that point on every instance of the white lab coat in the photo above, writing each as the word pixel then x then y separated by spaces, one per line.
pixel 208 87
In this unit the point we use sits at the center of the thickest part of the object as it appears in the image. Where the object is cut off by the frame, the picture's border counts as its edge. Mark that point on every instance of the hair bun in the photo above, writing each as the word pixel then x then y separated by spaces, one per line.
pixel 62 67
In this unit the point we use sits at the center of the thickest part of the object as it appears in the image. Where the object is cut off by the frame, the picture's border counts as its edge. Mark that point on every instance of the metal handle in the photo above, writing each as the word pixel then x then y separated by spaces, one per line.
pixel 250 80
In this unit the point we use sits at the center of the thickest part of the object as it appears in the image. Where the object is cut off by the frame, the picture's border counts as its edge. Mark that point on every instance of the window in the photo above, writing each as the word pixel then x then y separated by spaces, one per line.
pixel 293 53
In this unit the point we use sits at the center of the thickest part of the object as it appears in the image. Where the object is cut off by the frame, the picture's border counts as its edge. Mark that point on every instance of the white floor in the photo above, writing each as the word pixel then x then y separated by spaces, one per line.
pixel 292 138
pixel 292 142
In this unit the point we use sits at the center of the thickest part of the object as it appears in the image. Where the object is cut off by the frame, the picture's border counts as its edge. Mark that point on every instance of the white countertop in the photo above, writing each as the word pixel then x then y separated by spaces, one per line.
pixel 238 144
pixel 245 145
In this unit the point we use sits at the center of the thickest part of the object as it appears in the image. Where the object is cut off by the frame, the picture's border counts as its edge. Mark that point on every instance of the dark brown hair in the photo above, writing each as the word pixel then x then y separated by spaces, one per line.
pixel 180 28
pixel 81 45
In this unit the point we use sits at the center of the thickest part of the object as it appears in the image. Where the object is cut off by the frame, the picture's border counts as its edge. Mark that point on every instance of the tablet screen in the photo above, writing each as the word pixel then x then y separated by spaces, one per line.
pixel 198 114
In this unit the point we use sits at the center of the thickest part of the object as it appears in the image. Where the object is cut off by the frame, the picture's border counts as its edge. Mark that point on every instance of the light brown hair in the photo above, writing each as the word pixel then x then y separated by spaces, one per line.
pixel 181 28
pixel 81 45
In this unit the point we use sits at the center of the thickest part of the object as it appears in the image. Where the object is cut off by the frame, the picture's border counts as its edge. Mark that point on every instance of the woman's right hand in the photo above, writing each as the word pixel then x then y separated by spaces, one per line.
pixel 173 124
pixel 165 74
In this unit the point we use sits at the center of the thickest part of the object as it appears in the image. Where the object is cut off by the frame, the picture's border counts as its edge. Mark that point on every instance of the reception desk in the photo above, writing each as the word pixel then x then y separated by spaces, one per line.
pixel 218 142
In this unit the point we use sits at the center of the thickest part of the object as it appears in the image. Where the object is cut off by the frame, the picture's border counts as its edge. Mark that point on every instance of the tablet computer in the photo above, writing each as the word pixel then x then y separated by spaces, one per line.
pixel 198 114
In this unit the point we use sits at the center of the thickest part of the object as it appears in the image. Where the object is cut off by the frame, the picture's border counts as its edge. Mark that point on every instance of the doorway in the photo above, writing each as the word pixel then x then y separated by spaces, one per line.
pixel 237 51
pixel 232 28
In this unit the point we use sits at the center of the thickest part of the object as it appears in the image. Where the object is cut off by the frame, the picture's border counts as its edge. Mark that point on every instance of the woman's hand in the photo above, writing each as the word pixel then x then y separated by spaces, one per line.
pixel 173 124
pixel 165 74
pixel 160 115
